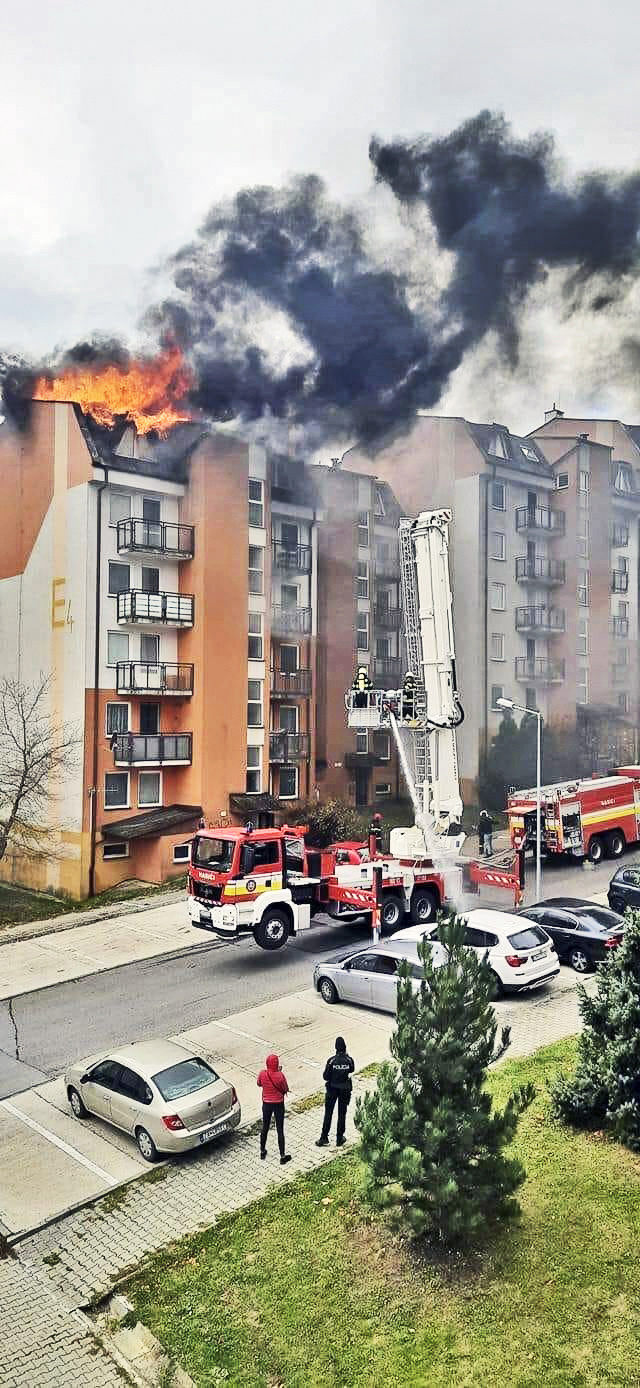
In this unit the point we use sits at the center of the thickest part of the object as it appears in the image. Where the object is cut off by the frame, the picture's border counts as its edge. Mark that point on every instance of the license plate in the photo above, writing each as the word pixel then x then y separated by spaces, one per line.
pixel 207 1135
pixel 539 954
pixel 205 918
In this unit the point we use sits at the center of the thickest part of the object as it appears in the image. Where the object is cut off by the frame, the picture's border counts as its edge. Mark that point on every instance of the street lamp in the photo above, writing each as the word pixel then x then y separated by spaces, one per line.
pixel 533 713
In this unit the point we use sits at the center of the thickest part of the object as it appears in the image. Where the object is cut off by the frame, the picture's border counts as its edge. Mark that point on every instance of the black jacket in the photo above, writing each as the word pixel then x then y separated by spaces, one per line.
pixel 338 1071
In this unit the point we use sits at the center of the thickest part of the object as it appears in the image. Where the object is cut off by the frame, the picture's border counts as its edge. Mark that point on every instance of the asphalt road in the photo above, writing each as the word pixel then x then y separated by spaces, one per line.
pixel 40 1032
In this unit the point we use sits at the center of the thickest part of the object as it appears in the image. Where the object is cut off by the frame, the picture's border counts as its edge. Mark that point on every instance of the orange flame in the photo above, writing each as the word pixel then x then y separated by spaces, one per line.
pixel 146 392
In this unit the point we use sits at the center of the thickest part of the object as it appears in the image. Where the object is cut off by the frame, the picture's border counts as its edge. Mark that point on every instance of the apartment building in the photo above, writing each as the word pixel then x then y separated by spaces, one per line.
pixel 359 623
pixel 544 569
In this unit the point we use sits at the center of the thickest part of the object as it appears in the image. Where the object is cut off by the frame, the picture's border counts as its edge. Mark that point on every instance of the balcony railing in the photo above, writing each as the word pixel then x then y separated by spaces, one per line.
pixel 388 670
pixel 619 581
pixel 620 626
pixel 154 749
pixel 355 761
pixel 389 618
pixel 540 570
pixel 541 670
pixel 288 747
pixel 294 683
pixel 141 677
pixel 159 609
pixel 289 621
pixel 619 536
pixel 156 537
pixel 291 558
pixel 539 520
pixel 549 620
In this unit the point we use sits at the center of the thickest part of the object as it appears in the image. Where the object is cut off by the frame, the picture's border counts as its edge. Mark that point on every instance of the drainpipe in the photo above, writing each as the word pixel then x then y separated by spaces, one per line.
pixel 486 483
pixel 93 791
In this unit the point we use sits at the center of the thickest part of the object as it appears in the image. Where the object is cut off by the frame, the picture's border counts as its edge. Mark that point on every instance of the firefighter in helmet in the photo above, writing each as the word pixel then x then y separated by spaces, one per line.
pixel 408 697
pixel 362 687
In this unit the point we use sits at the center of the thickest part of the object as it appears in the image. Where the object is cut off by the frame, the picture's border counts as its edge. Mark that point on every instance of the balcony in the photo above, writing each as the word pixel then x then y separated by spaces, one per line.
pixel 159 749
pixel 155 537
pixel 619 536
pixel 285 748
pixel 141 677
pixel 541 670
pixel 548 621
pixel 540 570
pixel 157 609
pixel 619 581
pixel 291 559
pixel 620 626
pixel 389 618
pixel 357 761
pixel 291 621
pixel 294 684
pixel 389 670
pixel 539 520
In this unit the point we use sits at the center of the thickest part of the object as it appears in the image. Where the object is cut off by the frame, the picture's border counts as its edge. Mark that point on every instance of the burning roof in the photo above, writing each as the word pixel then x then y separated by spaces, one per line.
pixel 148 393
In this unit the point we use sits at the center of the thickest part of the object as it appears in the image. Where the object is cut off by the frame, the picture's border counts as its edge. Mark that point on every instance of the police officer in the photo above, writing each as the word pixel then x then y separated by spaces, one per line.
pixel 337 1077
pixel 408 697
pixel 362 686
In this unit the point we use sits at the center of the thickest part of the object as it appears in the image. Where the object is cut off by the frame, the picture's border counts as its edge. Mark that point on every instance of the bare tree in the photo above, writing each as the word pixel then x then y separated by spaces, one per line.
pixel 36 756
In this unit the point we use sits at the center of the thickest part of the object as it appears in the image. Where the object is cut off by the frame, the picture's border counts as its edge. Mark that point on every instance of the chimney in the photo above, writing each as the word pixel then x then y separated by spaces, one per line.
pixel 553 413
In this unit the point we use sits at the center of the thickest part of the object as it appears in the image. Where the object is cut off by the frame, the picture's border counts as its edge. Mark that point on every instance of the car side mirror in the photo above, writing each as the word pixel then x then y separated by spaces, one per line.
pixel 84 1079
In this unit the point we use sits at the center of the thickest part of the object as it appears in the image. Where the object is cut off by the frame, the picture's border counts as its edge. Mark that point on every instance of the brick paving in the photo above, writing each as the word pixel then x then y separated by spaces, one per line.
pixel 42 1344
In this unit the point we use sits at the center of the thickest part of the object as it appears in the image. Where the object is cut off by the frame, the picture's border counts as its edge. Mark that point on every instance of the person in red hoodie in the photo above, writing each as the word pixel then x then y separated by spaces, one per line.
pixel 274 1086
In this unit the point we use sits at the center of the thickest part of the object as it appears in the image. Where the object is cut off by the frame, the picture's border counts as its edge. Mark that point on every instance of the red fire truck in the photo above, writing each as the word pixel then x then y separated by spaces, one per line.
pixel 593 818
pixel 269 883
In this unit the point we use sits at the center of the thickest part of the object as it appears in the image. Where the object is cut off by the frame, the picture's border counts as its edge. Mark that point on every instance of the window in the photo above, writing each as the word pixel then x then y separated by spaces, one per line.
pixel 149 788
pixel 582 688
pixel 363 529
pixel 362 582
pixel 256 569
pixel 382 554
pixel 119 507
pixel 255 636
pixel 497 645
pixel 382 788
pixel 382 746
pixel 266 854
pixel 256 503
pixel 289 659
pixel 623 703
pixel 497 692
pixel 289 535
pixel 117 647
pixel 288 718
pixel 288 782
pixel 149 649
pixel 622 656
pixel 498 544
pixel 379 502
pixel 584 481
pixel 114 850
pixel 497 496
pixel 622 478
pixel 362 631
pixel 289 595
pixel 383 647
pixel 529 453
pixel 622 564
pixel 583 547
pixel 116 790
pixel 254 770
pixel 119 580
pixel 149 719
pixel 362 743
pixel 561 481
pixel 498 597
pixel 117 719
pixel 150 579
pixel 583 636
pixel 151 509
pixel 623 609
pixel 181 852
pixel 254 704
pixel 583 587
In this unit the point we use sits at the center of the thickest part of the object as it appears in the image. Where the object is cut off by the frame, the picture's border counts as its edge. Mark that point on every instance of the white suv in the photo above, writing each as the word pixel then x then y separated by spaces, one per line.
pixel 520 953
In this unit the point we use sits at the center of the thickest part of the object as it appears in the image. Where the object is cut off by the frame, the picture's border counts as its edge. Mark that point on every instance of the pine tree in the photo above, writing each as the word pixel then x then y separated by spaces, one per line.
pixel 431 1138
pixel 604 1091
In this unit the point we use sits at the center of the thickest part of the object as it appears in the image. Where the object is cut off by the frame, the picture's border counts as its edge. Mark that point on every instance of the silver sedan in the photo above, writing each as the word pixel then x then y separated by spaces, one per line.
pixel 168 1098
pixel 370 976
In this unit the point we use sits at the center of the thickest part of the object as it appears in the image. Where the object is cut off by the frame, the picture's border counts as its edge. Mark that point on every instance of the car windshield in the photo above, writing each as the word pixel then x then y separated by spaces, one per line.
pixel 184 1078
pixel 600 919
pixel 213 853
pixel 528 939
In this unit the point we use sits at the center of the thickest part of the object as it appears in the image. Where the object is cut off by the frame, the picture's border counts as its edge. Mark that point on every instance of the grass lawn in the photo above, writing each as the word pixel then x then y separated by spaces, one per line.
pixel 305 1289
pixel 18 905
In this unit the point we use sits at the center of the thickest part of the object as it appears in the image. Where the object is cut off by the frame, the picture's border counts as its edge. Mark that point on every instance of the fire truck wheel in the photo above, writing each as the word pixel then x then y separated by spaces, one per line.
pixel 595 852
pixel 615 844
pixel 392 911
pixel 424 906
pixel 272 932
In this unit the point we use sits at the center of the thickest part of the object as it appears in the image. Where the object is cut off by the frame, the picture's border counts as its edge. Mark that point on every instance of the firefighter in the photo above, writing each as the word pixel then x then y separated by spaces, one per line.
pixel 408 697
pixel 362 687
pixel 375 835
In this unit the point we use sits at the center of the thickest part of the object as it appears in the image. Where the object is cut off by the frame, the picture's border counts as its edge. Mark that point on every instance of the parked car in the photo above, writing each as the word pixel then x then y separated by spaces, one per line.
pixel 624 889
pixel 167 1097
pixel 520 953
pixel 369 976
pixel 582 932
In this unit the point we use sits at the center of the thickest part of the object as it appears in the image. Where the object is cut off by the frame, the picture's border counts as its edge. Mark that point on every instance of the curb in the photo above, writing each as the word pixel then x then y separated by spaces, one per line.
pixel 53 925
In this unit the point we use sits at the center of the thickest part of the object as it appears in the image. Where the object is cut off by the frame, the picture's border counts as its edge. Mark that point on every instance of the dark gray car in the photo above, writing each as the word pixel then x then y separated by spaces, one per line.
pixel 369 976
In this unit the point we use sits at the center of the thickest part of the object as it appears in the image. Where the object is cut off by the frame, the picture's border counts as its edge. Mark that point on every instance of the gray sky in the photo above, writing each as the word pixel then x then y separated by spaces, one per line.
pixel 123 121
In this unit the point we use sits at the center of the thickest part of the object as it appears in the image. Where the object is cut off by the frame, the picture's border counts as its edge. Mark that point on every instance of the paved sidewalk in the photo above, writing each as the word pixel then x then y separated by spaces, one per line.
pixel 53 925
pixel 42 1344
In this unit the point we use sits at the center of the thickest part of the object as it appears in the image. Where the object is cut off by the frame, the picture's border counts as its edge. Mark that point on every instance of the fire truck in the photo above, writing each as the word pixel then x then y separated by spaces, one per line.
pixel 593 818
